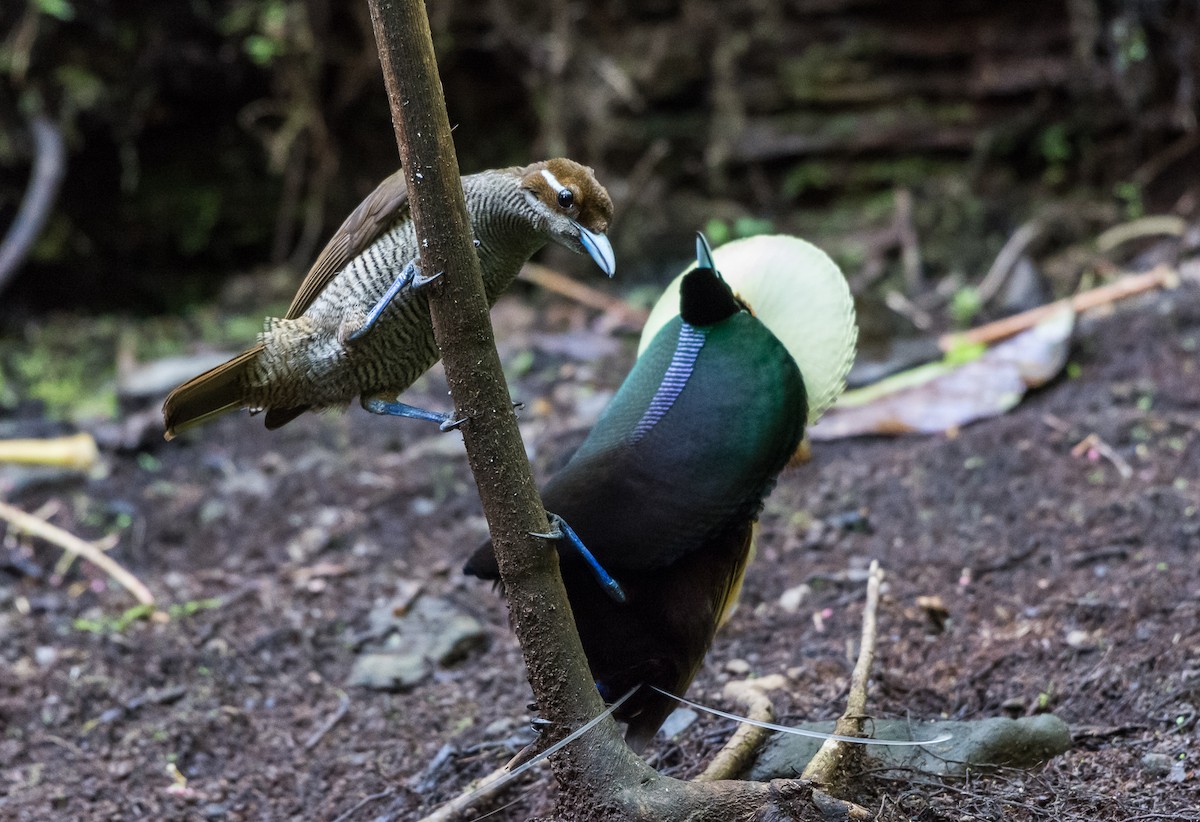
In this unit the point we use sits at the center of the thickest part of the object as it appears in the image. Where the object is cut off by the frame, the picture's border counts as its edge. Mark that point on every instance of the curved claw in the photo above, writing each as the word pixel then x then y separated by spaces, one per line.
pixel 451 424
pixel 556 533
pixel 421 279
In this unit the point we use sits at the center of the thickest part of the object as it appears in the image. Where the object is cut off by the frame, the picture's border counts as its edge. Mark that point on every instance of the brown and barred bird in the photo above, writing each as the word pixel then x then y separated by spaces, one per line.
pixel 359 326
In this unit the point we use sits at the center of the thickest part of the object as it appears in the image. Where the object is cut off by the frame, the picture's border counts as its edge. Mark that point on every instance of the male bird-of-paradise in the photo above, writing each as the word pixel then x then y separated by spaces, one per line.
pixel 662 499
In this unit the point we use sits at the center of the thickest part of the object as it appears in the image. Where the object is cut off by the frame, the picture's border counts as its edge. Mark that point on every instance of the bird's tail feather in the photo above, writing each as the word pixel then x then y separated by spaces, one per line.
pixel 788 729
pixel 212 393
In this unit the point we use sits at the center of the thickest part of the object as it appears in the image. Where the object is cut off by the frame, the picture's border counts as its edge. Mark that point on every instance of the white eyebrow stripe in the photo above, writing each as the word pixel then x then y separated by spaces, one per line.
pixel 558 187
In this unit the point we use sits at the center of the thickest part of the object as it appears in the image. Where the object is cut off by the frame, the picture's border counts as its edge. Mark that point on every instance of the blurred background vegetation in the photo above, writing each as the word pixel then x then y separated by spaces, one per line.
pixel 208 138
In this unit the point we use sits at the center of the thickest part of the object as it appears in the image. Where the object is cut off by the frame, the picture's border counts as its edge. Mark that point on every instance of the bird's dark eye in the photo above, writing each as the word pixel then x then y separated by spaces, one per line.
pixel 565 198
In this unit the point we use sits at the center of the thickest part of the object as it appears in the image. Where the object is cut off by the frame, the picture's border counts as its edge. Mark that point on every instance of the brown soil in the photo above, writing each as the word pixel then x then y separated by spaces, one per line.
pixel 1068 589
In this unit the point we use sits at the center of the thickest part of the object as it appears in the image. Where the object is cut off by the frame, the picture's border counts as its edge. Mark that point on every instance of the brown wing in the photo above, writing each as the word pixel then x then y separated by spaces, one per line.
pixel 361 228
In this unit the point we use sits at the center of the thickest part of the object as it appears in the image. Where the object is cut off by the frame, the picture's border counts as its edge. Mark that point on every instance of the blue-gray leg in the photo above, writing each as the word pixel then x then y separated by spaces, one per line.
pixel 446 422
pixel 410 277
pixel 560 530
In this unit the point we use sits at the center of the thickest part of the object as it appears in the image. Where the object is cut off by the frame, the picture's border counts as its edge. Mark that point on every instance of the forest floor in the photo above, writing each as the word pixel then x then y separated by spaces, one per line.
pixel 1067 587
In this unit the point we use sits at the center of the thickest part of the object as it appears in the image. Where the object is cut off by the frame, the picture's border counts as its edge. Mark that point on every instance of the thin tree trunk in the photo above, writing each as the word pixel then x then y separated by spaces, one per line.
pixel 599 777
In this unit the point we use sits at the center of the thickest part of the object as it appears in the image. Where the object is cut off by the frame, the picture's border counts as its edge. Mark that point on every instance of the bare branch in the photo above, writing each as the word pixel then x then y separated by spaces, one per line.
pixel 70 542
pixel 1161 276
pixel 733 759
pixel 823 768
pixel 49 165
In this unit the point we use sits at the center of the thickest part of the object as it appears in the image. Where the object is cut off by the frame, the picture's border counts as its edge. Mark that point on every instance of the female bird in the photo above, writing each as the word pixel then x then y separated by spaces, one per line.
pixel 360 327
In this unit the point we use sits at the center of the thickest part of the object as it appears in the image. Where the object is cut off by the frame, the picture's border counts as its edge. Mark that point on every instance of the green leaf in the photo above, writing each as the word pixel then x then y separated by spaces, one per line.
pixel 261 49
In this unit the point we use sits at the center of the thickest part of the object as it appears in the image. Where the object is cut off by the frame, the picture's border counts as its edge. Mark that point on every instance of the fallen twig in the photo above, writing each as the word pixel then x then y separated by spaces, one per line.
pixel 49 164
pixel 343 708
pixel 1149 171
pixel 362 803
pixel 751 694
pixel 1161 276
pixel 823 768
pixel 563 285
pixel 518 765
pixel 68 558
pixel 909 310
pixel 77 451
pixel 1093 447
pixel 469 797
pixel 910 245
pixel 1152 226
pixel 1006 261
pixel 69 542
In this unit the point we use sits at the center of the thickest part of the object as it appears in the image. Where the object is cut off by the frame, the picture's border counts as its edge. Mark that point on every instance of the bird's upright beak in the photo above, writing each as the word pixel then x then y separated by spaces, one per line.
pixel 599 249
pixel 704 252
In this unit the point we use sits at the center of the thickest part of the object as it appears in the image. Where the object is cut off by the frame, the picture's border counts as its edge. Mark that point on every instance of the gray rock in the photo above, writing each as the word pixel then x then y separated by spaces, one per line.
pixel 389 671
pixel 996 741
pixel 151 381
pixel 1157 764
pixel 408 644
pixel 677 722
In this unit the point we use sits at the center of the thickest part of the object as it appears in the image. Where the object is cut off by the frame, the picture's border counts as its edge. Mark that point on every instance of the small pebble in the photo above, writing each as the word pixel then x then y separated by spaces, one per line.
pixel 737 667
pixel 678 722
pixel 499 727
pixel 1080 640
pixel 792 598
pixel 422 507
pixel 1014 705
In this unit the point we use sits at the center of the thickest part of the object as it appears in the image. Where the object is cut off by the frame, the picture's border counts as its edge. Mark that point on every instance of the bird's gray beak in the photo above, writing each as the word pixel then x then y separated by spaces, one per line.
pixel 599 249
pixel 704 252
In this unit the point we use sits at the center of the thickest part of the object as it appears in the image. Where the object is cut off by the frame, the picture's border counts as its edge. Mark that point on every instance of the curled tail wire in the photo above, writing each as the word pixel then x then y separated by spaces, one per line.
pixel 787 729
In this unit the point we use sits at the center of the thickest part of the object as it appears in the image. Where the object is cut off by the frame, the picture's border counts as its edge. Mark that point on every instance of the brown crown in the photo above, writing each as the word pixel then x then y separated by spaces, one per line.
pixel 592 208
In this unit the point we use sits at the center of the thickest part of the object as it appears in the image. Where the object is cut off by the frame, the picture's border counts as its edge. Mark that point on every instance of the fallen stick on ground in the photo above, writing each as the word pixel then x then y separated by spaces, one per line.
pixel 751 694
pixel 823 768
pixel 1007 260
pixel 518 765
pixel 460 804
pixel 68 558
pixel 1154 225
pixel 77 451
pixel 1093 443
pixel 343 708
pixel 69 542
pixel 563 285
pixel 1161 276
